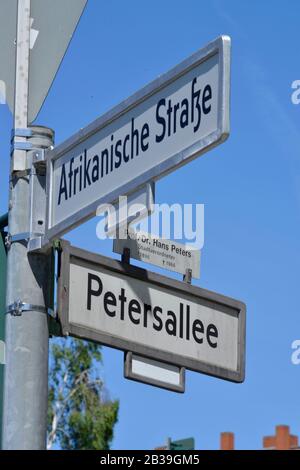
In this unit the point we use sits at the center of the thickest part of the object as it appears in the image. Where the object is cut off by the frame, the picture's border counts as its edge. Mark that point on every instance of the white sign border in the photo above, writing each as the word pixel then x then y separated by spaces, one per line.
pixel 220 46
pixel 84 258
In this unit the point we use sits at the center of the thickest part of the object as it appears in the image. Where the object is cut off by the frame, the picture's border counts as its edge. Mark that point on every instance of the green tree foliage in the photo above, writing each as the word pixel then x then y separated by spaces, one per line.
pixel 80 416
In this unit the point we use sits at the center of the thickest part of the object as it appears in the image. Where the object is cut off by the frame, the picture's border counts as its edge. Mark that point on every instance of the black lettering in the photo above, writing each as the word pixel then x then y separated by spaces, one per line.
pixel 70 175
pixel 187 322
pixel 147 308
pixel 76 171
pixel 80 174
pixel 112 153
pixel 169 113
pixel 198 328
pixel 134 135
pixel 171 323
pixel 184 115
pixel 145 135
pixel 63 189
pixel 125 155
pixel 181 321
pixel 160 120
pixel 118 154
pixel 134 307
pixel 176 107
pixel 212 332
pixel 95 171
pixel 93 292
pixel 206 96
pixel 196 106
pixel 122 299
pixel 109 300
pixel 158 326
pixel 86 171
pixel 104 164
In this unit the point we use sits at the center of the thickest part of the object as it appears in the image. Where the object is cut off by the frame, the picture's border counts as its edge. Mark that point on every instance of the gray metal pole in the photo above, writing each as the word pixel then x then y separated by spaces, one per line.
pixel 28 280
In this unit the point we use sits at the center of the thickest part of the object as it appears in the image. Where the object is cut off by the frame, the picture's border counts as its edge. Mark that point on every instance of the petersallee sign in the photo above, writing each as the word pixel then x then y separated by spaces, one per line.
pixel 135 310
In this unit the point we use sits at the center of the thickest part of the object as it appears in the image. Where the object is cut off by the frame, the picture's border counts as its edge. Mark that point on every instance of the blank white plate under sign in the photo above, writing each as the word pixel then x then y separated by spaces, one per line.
pixel 152 372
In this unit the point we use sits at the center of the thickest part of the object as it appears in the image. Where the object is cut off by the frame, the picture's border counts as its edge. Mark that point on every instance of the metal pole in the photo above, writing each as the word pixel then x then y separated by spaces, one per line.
pixel 2 324
pixel 26 369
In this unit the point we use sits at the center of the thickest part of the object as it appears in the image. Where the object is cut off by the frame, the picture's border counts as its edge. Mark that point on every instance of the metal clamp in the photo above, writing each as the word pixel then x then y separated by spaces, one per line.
pixel 188 276
pixel 126 256
pixel 17 308
pixel 38 162
pixel 18 132
pixel 21 146
pixel 20 238
pixel 38 157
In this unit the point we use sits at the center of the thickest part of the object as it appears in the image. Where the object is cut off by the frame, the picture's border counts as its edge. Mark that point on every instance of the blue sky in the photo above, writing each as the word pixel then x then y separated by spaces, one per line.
pixel 250 187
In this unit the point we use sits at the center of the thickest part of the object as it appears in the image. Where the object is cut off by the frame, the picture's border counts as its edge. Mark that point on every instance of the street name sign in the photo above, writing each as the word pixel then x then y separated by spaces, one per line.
pixel 152 372
pixel 171 121
pixel 134 310
pixel 164 253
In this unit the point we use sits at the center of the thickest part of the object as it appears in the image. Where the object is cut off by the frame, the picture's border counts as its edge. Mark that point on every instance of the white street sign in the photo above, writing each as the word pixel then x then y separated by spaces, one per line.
pixel 164 253
pixel 157 373
pixel 52 26
pixel 134 310
pixel 174 119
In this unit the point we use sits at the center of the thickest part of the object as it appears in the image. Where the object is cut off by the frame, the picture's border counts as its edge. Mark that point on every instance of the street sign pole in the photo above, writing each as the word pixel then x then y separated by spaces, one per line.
pixel 26 369
pixel 3 223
